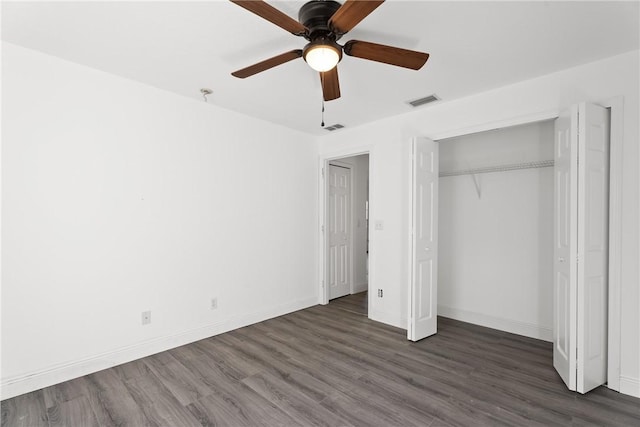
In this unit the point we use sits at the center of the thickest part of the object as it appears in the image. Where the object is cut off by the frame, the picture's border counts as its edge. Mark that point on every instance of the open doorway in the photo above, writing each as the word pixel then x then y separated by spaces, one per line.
pixel 346 233
pixel 495 253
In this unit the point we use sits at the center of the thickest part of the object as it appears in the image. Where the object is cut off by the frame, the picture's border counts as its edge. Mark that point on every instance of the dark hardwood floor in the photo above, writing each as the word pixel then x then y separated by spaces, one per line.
pixel 356 304
pixel 330 365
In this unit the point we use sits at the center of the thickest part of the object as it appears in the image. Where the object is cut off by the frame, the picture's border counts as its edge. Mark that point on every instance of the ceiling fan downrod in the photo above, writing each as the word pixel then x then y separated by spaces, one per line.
pixel 315 16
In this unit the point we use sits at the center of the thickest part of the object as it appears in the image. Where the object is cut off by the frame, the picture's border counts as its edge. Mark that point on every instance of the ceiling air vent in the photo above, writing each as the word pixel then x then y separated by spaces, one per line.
pixel 334 127
pixel 422 101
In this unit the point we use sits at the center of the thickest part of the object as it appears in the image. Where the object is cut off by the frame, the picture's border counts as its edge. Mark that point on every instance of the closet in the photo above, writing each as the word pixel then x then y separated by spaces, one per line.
pixel 495 246
pixel 509 230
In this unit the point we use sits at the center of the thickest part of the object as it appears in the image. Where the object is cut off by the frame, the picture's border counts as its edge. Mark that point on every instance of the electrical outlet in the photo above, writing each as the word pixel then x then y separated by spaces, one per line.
pixel 146 317
pixel 379 293
pixel 214 303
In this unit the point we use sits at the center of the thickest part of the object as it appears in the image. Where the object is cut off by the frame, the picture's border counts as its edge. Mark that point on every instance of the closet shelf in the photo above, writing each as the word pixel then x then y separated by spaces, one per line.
pixel 501 168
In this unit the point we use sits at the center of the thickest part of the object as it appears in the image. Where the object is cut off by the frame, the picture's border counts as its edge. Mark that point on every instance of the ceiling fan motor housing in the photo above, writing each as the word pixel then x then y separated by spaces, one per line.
pixel 315 16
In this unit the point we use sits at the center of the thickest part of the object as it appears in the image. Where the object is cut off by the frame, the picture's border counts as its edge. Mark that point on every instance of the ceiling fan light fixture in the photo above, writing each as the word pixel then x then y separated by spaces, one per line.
pixel 322 55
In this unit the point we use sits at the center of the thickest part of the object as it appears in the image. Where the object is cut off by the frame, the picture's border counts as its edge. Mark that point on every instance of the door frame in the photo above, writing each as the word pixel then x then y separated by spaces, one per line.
pixel 323 194
pixel 615 106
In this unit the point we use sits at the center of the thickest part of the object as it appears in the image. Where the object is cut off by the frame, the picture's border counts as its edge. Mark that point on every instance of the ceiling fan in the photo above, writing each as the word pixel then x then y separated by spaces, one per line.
pixel 323 23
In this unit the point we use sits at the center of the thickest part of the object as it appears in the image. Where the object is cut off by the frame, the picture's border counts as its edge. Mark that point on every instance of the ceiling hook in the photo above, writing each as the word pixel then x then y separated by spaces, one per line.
pixel 205 92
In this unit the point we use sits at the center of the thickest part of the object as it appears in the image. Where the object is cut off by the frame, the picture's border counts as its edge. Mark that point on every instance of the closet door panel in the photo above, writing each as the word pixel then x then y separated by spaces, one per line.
pixel 565 248
pixel 593 220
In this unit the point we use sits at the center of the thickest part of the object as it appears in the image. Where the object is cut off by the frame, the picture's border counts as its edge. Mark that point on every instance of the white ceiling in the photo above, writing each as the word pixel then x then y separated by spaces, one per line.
pixel 185 46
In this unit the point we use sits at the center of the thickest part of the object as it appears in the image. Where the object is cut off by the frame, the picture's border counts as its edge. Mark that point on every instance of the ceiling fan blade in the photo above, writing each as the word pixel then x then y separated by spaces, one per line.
pixel 267 63
pixel 273 15
pixel 351 13
pixel 387 54
pixel 330 84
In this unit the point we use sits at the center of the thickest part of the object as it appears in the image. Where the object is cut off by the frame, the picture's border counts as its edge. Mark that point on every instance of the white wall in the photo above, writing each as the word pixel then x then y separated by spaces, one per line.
pixel 388 141
pixel 495 264
pixel 120 198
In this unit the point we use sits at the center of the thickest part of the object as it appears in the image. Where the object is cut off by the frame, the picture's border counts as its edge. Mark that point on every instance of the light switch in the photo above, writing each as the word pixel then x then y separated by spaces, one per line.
pixel 379 225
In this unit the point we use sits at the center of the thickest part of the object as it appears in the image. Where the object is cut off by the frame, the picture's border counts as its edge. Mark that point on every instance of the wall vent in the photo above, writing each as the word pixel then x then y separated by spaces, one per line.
pixel 334 127
pixel 422 101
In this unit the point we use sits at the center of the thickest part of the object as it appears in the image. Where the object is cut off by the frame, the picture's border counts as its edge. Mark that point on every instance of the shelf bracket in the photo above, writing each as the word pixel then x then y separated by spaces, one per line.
pixel 476 183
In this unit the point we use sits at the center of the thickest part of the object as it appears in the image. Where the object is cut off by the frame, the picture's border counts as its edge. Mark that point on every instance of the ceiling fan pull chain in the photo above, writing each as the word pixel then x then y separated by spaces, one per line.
pixel 322 85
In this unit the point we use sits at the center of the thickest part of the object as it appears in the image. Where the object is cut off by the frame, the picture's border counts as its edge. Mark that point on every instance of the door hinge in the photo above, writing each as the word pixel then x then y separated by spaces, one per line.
pixel 322 228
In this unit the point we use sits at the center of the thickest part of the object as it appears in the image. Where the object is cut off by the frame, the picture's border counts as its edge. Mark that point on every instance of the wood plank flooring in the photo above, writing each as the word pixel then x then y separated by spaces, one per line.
pixel 330 366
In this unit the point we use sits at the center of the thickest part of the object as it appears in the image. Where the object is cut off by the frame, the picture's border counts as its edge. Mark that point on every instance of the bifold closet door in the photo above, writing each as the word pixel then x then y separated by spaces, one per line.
pixel 423 295
pixel 593 244
pixel 565 246
pixel 580 246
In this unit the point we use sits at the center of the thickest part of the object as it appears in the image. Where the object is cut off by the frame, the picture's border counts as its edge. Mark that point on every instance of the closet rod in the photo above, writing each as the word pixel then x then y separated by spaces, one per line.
pixel 501 168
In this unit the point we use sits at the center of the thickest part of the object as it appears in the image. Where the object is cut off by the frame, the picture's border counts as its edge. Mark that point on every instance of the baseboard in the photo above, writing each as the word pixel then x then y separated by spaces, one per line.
pixel 388 318
pixel 242 320
pixel 513 326
pixel 630 386
pixel 17 385
pixel 360 288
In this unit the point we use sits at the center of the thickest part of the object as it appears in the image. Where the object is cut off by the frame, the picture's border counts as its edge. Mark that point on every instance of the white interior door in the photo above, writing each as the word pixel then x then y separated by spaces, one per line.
pixel 339 250
pixel 423 294
pixel 593 242
pixel 580 247
pixel 565 247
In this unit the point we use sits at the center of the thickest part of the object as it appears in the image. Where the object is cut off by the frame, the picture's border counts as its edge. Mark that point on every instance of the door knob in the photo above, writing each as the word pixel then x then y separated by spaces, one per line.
pixel 561 259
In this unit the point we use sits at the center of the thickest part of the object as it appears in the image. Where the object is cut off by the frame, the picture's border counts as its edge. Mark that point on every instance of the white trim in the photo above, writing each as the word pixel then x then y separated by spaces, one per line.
pixel 20 384
pixel 322 188
pixel 616 142
pixel 630 386
pixel 526 329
